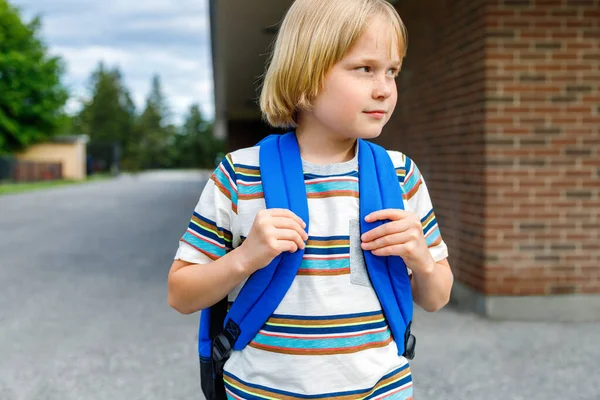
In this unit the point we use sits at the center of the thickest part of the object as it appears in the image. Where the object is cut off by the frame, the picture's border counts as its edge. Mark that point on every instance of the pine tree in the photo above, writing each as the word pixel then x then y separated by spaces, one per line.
pixel 108 117
pixel 153 134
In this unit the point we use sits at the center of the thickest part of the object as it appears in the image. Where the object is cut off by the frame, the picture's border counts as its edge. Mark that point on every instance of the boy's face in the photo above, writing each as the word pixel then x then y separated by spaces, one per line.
pixel 360 93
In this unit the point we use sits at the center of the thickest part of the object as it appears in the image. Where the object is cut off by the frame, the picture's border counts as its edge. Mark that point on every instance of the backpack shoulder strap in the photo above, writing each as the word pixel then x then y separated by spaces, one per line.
pixel 283 186
pixel 388 274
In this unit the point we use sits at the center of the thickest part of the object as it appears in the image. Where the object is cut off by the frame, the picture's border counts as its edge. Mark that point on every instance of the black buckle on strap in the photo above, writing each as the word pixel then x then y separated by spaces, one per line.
pixel 410 342
pixel 222 345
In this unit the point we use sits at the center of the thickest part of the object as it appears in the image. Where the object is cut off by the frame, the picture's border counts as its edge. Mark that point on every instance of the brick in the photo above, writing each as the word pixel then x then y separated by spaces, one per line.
pixel 517 23
pixel 577 258
pixel 579 67
pixel 548 2
pixel 511 68
pixel 579 24
pixel 532 78
pixel 518 110
pixel 498 13
pixel 500 34
pixel 591 99
pixel 534 34
pixel 577 173
pixel 500 142
pixel 590 56
pixel 533 142
pixel 581 2
pixel 548 131
pixel 536 121
pixel 526 56
pixel 533 163
pixel 562 120
pixel 563 246
pixel 548 67
pixel 517 3
pixel 500 56
pixel 536 12
pixel 578 194
pixel 568 78
pixel 500 99
pixel 548 45
pixel 565 34
pixel 563 289
pixel 547 258
pixel 531 247
pixel 579 89
pixel 563 99
pixel 579 45
pixel 563 13
pixel 564 56
pixel 578 152
pixel 515 46
pixel 530 226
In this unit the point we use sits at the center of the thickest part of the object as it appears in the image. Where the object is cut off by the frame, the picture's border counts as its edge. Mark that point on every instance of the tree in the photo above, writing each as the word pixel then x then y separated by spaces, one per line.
pixel 32 97
pixel 196 146
pixel 108 117
pixel 152 133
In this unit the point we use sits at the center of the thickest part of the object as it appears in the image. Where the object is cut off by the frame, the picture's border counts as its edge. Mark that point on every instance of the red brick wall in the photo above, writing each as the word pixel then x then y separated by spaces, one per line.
pixel 499 106
pixel 439 121
pixel 542 147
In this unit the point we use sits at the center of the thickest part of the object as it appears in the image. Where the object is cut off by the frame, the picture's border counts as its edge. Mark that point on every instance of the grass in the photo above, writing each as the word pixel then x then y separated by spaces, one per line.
pixel 12 188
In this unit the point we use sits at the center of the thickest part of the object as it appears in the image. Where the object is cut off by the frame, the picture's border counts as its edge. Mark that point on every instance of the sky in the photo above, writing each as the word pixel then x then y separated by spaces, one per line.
pixel 164 37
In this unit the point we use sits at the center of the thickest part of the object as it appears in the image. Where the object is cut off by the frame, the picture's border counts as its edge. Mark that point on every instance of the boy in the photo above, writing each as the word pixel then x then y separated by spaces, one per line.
pixel 331 79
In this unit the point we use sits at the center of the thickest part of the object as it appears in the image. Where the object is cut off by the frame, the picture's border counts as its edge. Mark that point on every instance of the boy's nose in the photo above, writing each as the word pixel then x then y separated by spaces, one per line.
pixel 382 90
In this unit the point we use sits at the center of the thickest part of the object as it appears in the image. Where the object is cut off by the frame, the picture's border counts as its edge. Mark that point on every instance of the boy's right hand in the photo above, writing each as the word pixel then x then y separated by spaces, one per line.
pixel 273 232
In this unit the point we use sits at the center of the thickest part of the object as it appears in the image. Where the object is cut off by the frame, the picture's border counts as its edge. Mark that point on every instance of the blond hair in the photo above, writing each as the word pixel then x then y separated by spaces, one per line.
pixel 313 37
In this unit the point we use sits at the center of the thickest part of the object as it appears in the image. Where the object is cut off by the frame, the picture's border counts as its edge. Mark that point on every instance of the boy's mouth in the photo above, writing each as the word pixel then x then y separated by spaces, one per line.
pixel 376 113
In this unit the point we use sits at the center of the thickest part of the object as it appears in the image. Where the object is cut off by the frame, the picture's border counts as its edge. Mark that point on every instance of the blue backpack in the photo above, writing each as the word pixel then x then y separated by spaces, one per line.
pixel 282 176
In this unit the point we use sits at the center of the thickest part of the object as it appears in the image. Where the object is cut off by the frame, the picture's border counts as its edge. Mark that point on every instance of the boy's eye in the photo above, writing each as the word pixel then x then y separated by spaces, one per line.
pixel 394 72
pixel 364 69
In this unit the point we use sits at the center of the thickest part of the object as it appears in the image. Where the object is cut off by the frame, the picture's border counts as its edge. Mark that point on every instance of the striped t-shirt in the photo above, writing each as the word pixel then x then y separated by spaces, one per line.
pixel 328 337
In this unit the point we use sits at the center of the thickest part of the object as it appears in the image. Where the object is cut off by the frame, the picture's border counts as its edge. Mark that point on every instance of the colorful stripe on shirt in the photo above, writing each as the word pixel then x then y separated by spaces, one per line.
pixel 409 177
pixel 326 256
pixel 225 179
pixel 321 187
pixel 317 187
pixel 431 230
pixel 249 182
pixel 396 385
pixel 208 238
pixel 324 335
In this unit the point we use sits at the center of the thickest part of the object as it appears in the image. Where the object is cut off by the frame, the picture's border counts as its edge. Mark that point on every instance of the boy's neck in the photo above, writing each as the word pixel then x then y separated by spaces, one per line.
pixel 323 149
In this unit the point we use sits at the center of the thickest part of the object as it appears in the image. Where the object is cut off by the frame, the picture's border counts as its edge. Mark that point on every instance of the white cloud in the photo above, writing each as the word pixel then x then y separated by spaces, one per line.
pixel 161 37
pixel 81 61
pixel 194 25
pixel 157 6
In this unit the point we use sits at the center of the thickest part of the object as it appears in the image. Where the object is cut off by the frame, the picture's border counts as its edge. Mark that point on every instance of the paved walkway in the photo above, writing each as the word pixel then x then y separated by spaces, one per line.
pixel 84 314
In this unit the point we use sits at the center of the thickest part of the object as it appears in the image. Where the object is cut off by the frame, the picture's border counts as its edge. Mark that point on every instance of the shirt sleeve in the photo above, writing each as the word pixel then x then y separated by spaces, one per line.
pixel 209 233
pixel 416 199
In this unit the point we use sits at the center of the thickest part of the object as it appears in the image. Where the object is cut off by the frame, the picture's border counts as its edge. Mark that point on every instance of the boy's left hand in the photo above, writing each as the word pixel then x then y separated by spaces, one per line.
pixel 402 236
